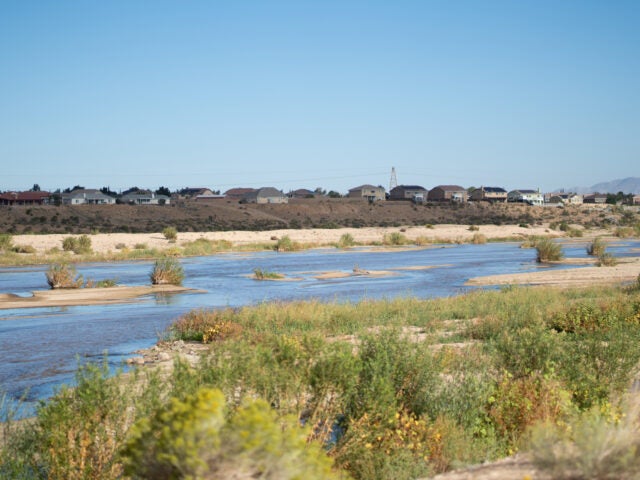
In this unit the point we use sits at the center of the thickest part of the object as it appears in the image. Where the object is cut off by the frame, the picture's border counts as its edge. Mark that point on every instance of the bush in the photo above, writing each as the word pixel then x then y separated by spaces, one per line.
pixel 605 259
pixel 201 326
pixel 167 271
pixel 473 228
pixel 170 233
pixel 548 250
pixel 83 245
pixel 139 246
pixel 624 232
pixel 285 244
pixel 195 438
pixel 395 239
pixel 6 241
pixel 346 240
pixel 23 249
pixel 478 239
pixel 266 275
pixel 600 444
pixel 62 275
pixel 596 248
pixel 77 434
pixel 69 244
pixel 78 245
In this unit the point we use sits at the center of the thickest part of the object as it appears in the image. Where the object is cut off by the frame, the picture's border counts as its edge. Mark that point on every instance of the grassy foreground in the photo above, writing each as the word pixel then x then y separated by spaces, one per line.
pixel 379 389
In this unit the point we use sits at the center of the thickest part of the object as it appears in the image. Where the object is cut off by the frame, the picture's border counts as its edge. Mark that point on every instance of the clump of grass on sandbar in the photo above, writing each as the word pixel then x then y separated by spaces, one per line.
pixel 167 271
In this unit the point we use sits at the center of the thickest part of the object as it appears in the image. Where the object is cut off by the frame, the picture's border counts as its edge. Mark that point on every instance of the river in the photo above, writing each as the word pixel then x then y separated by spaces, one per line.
pixel 40 347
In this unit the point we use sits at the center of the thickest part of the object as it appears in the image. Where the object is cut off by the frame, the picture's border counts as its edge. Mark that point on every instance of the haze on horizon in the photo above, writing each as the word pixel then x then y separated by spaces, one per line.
pixel 299 94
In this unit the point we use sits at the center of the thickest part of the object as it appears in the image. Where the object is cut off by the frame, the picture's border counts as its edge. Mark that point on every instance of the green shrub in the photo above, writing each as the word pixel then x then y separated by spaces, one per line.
pixel 624 232
pixel 196 438
pixel 395 239
pixel 83 245
pixel 260 274
pixel 69 244
pixel 167 271
pixel 6 241
pixel 23 249
pixel 139 246
pixel 602 443
pixel 548 250
pixel 200 325
pixel 78 433
pixel 473 228
pixel 346 240
pixel 170 233
pixel 62 275
pixel 285 244
pixel 77 245
pixel 605 259
pixel 596 248
pixel 120 246
pixel 478 239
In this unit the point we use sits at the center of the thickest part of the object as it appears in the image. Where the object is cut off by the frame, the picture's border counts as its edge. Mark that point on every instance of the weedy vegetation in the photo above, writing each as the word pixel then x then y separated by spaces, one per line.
pixel 170 233
pixel 360 390
pixel 548 250
pixel 260 274
pixel 167 271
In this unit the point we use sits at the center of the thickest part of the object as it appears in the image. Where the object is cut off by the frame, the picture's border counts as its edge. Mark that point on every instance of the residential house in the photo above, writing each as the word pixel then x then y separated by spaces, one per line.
pixel 145 197
pixel 636 199
pixel 265 195
pixel 238 193
pixel 595 198
pixel 301 193
pixel 489 194
pixel 415 193
pixel 192 192
pixel 25 198
pixel 210 198
pixel 368 192
pixel 448 193
pixel 563 198
pixel 87 196
pixel 530 197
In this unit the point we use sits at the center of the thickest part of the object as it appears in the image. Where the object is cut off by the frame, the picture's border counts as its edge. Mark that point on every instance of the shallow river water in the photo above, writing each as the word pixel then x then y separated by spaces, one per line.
pixel 40 347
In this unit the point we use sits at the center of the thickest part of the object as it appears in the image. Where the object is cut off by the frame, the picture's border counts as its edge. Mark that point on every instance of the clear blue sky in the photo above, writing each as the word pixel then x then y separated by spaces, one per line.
pixel 298 94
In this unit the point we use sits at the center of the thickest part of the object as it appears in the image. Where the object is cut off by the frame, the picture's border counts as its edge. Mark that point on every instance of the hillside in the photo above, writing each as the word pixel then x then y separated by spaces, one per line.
pixel 308 213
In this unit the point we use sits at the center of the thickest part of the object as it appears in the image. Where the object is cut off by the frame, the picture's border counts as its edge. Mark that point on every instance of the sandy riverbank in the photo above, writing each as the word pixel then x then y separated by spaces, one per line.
pixel 626 271
pixel 107 242
pixel 87 296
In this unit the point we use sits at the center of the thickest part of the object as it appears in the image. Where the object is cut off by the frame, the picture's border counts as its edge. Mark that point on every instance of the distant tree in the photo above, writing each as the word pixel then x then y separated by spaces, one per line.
pixel 134 190
pixel 320 191
pixel 470 190
pixel 35 188
pixel 69 190
pixel 620 198
pixel 163 191
pixel 108 191
pixel 334 194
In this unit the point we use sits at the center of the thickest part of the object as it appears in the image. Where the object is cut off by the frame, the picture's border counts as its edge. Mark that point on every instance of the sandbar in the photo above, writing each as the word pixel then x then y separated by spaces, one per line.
pixel 626 271
pixel 107 242
pixel 86 296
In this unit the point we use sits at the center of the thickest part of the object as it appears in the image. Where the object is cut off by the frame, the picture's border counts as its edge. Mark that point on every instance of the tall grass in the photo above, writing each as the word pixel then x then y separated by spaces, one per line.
pixel 548 250
pixel 62 275
pixel 370 380
pixel 167 270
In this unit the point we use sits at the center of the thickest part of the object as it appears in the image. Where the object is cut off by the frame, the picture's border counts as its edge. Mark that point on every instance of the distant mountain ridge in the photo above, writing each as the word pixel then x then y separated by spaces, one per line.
pixel 624 185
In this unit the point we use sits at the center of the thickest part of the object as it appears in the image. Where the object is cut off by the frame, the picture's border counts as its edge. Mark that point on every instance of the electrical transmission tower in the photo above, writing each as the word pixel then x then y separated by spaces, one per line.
pixel 393 183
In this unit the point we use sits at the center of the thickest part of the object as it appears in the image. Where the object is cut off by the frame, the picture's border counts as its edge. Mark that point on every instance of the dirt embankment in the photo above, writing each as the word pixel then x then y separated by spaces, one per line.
pixel 226 215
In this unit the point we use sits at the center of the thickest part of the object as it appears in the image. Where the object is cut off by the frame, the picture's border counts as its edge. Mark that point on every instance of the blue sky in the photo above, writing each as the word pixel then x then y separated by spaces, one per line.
pixel 519 94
